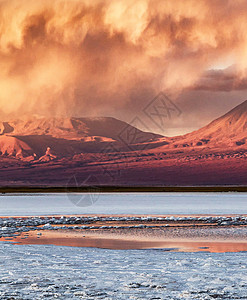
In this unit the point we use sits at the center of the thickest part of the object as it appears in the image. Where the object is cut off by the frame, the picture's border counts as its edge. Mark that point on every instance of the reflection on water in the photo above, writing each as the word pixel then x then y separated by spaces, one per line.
pixel 76 239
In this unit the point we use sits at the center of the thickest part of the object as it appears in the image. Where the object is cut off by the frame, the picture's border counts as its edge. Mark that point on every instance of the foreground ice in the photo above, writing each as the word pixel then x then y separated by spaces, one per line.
pixel 54 272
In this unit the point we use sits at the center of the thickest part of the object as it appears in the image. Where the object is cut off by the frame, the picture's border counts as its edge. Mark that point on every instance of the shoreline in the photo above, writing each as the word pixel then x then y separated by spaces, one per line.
pixel 36 189
pixel 122 215
pixel 190 233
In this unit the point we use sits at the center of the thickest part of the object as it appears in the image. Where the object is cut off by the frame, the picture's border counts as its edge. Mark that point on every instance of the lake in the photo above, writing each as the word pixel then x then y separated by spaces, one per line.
pixel 124 203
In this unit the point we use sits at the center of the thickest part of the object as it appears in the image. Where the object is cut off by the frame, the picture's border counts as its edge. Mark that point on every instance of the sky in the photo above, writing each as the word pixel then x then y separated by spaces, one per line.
pixel 111 58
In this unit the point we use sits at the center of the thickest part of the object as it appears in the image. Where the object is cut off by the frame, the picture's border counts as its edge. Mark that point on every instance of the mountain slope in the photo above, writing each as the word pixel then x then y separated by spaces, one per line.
pixel 230 130
pixel 70 136
pixel 73 128
pixel 11 146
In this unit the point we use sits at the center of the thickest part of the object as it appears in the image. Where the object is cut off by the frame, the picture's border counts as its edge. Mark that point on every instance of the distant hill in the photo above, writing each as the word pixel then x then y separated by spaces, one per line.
pixel 230 130
pixel 68 136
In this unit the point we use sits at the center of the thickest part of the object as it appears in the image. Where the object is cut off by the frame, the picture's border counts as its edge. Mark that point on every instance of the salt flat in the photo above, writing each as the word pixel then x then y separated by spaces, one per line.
pixel 55 272
pixel 38 262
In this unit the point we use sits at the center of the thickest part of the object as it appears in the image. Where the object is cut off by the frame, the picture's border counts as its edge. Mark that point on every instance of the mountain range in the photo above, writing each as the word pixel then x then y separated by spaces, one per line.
pixel 30 138
pixel 59 147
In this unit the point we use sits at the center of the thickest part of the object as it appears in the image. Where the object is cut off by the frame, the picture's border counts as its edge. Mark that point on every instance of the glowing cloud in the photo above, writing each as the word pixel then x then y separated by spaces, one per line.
pixel 84 57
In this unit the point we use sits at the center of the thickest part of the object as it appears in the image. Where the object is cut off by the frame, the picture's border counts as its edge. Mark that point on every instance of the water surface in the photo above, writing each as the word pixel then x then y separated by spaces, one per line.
pixel 124 203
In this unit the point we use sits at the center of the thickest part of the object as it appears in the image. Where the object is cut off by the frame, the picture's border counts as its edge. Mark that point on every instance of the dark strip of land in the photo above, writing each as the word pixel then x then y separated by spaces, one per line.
pixel 122 189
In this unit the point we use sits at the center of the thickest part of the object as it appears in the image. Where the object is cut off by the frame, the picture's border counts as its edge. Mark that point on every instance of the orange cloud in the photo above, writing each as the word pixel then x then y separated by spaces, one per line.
pixel 81 57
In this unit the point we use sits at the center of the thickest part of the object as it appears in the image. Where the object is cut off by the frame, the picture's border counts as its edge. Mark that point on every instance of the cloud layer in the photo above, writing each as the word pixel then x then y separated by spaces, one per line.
pixel 82 57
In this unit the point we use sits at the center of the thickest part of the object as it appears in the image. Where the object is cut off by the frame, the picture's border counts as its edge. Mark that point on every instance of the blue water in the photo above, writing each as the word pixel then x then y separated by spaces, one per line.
pixel 125 203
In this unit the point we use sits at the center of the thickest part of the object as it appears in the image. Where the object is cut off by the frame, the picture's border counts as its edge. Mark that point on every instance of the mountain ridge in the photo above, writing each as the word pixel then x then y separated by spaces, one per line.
pixel 31 137
pixel 68 136
pixel 228 130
